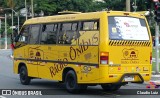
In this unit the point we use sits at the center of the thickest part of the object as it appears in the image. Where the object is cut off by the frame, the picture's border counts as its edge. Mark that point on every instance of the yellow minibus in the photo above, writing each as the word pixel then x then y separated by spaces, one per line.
pixel 107 48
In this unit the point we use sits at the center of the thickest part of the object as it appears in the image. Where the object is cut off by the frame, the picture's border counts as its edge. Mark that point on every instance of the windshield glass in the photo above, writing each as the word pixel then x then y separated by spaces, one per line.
pixel 127 28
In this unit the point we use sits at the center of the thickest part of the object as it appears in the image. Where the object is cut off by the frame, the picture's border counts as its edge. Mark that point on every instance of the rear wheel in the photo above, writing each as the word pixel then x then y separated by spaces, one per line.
pixel 71 83
pixel 23 74
pixel 110 87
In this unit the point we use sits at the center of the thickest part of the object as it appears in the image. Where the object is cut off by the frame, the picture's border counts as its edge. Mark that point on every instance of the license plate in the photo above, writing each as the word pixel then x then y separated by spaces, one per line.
pixel 128 78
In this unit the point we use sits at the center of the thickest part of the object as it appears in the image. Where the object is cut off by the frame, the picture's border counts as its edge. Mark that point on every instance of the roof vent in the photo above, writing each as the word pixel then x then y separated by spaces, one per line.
pixel 68 12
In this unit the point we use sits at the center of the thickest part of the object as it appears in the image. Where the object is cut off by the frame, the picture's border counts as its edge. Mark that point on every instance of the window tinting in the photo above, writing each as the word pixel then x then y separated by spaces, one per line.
pixel 24 34
pixel 90 25
pixel 66 26
pixel 34 34
pixel 49 34
pixel 74 26
pixel 68 33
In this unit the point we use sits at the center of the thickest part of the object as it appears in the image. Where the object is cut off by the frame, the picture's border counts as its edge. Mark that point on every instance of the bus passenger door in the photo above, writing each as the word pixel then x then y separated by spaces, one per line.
pixel 33 51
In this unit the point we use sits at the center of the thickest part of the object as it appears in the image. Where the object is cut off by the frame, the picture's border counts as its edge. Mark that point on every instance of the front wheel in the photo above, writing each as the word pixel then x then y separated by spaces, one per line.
pixel 71 83
pixel 110 87
pixel 23 74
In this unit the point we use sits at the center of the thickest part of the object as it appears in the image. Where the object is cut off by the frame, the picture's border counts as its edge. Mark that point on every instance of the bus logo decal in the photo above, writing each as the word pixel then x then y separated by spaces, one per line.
pixel 36 54
pixel 86 69
pixel 130 54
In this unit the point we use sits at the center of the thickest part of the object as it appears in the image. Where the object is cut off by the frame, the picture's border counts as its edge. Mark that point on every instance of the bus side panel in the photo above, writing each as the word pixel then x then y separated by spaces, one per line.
pixel 22 55
pixel 82 59
pixel 15 66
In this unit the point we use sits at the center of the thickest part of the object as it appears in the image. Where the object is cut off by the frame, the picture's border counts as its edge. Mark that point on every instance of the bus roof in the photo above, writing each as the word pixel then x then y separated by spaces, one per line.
pixel 74 17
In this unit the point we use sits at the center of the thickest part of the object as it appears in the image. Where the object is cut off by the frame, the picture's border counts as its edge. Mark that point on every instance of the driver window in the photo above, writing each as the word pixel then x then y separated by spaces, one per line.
pixel 24 34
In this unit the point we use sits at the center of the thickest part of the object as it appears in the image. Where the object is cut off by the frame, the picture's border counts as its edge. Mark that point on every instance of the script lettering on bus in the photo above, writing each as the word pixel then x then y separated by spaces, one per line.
pixel 91 41
pixel 74 52
pixel 57 67
pixel 95 38
pixel 83 46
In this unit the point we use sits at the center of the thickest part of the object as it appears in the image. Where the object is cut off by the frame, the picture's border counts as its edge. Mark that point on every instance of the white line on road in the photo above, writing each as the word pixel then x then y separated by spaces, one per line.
pixel 2 97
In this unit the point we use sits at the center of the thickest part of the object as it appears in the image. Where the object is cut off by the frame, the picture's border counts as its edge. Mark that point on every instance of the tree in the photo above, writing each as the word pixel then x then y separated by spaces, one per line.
pixel 9 30
pixel 47 6
pixel 51 7
pixel 118 5
pixel 10 3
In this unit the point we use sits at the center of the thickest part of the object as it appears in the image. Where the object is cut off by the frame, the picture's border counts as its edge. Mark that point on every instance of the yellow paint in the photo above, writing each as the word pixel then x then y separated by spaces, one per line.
pixel 92 43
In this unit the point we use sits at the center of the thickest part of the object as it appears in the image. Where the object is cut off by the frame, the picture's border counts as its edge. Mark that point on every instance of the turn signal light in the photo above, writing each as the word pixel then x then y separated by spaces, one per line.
pixel 104 57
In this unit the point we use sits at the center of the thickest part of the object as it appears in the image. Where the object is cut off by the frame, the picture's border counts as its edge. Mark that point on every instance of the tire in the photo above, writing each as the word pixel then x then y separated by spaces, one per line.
pixel 23 75
pixel 71 83
pixel 110 87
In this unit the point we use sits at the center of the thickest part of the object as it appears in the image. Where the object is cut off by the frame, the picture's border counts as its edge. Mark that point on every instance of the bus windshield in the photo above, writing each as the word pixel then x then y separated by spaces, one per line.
pixel 127 28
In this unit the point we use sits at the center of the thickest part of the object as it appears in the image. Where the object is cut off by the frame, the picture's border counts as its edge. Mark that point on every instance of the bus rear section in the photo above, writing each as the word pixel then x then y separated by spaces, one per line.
pixel 126 56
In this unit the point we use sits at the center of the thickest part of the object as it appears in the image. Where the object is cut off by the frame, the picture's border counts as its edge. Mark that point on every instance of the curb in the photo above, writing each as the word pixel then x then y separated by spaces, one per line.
pixel 146 83
pixel 4 49
pixel 155 81
pixel 155 76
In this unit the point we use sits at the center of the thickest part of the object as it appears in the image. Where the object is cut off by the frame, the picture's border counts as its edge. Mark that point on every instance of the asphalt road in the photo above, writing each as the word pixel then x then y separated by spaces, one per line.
pixel 8 80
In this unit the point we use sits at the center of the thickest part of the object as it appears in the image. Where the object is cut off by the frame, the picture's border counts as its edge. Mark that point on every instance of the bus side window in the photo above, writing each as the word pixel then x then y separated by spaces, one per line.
pixel 75 34
pixel 44 34
pixel 68 33
pixel 49 34
pixel 23 36
pixel 34 34
pixel 89 32
pixel 90 25
pixel 96 25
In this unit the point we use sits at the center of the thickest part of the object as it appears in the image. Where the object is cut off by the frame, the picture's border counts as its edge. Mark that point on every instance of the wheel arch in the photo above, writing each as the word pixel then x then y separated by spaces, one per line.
pixel 65 70
pixel 20 65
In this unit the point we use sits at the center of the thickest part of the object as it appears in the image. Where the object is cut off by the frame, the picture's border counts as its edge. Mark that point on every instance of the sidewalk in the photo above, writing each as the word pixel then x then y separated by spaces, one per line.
pixel 154 82
pixel 155 77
